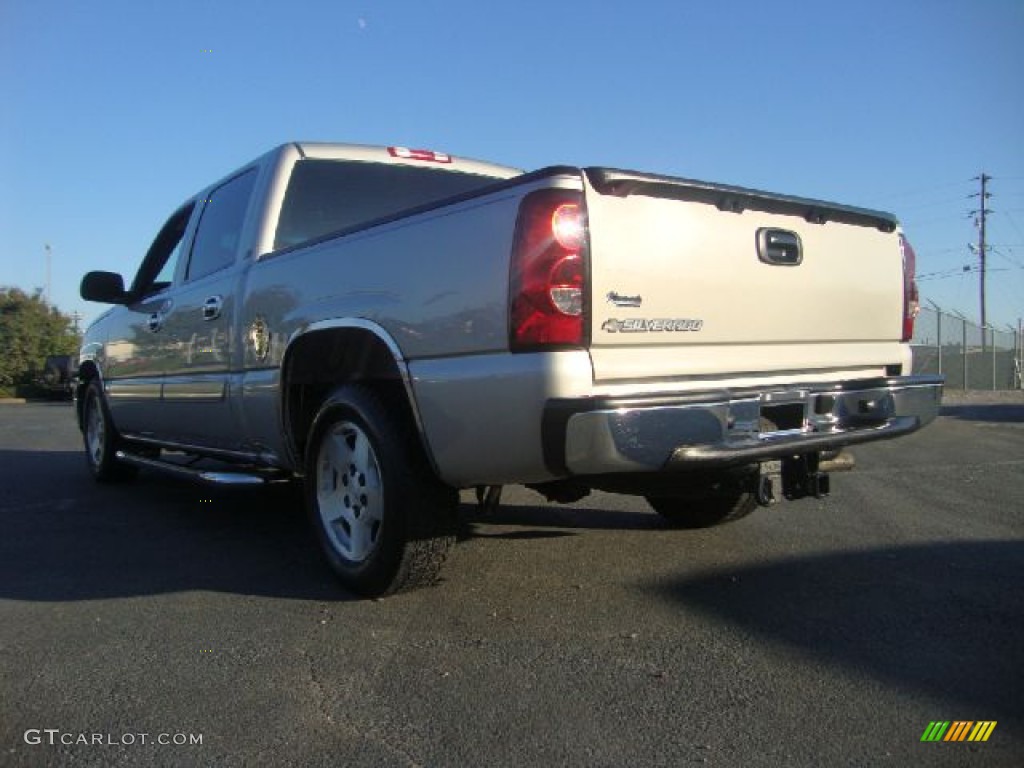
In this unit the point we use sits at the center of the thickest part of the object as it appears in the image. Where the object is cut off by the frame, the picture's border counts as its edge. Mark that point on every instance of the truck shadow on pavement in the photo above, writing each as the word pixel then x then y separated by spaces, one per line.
pixel 1005 413
pixel 67 538
pixel 946 618
pixel 549 521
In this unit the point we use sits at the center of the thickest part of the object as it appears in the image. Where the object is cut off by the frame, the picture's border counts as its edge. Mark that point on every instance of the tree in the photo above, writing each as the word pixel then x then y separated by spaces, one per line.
pixel 30 329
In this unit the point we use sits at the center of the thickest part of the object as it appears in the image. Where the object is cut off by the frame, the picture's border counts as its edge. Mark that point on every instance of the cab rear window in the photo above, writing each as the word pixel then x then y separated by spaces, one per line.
pixel 325 196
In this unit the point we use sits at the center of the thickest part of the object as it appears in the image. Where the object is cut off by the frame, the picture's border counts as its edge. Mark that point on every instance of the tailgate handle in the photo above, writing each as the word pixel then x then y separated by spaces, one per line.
pixel 779 247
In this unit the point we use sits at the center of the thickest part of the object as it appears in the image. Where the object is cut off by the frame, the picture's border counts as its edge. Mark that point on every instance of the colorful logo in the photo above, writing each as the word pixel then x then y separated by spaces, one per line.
pixel 958 730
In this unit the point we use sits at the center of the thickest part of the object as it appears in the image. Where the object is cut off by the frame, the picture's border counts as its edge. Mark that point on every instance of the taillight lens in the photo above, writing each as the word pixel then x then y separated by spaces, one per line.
pixel 911 301
pixel 568 227
pixel 547 282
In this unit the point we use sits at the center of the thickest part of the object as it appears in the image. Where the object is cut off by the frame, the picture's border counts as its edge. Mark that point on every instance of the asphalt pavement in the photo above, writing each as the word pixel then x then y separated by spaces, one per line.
pixel 816 633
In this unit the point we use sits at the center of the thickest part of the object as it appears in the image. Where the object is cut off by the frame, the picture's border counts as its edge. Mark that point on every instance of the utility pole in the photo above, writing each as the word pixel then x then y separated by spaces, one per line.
pixel 982 216
pixel 48 255
pixel 1020 353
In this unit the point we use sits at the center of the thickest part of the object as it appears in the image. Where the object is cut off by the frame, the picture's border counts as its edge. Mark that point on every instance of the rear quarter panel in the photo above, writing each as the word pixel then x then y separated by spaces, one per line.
pixel 436 281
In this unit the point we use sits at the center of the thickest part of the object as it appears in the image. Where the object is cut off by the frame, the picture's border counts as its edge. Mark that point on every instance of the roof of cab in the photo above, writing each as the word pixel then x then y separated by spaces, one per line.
pixel 383 154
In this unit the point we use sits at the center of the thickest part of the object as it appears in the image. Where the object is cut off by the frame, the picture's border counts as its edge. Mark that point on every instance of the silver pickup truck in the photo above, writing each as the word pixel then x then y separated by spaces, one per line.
pixel 391 325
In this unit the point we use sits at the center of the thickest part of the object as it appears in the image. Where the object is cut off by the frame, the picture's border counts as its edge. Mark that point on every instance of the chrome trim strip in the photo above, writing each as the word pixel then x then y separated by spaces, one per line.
pixel 134 389
pixel 350 322
pixel 247 457
pixel 203 388
pixel 231 478
pixel 381 333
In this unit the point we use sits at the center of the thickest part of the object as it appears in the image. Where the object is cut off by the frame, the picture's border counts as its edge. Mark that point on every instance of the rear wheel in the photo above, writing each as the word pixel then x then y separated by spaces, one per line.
pixel 703 511
pixel 101 439
pixel 384 522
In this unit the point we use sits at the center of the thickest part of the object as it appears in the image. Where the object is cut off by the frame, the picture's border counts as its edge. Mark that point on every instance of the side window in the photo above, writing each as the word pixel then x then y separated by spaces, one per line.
pixel 220 227
pixel 157 270
pixel 166 275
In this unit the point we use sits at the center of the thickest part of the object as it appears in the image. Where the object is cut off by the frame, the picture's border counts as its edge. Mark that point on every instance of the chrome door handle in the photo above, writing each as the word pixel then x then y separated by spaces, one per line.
pixel 155 322
pixel 212 307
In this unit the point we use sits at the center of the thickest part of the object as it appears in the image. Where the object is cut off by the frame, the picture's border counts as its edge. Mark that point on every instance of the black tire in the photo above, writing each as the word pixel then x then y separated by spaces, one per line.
pixel 383 520
pixel 101 439
pixel 703 511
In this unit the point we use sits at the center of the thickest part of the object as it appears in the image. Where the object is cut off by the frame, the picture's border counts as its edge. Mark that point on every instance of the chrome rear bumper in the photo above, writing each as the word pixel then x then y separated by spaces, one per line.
pixel 722 428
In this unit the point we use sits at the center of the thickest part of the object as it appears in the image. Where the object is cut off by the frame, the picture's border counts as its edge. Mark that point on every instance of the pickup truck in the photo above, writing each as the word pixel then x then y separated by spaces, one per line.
pixel 387 326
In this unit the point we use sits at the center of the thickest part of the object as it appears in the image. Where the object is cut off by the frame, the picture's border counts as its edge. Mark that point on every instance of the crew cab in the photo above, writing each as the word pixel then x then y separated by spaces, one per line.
pixel 389 325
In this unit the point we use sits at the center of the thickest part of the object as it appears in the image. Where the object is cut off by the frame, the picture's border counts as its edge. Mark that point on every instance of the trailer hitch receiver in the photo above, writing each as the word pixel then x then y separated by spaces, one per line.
pixel 801 477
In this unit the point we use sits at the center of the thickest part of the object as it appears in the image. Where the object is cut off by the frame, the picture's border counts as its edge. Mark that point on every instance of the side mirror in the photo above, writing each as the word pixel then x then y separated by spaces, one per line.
pixel 104 287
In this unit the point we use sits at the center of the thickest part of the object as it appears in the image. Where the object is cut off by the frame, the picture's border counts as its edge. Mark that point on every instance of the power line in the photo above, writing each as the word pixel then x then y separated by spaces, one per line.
pixel 930 252
pixel 1007 257
pixel 949 272
pixel 1013 223
pixel 922 206
pixel 920 224
pixel 958 272
pixel 921 190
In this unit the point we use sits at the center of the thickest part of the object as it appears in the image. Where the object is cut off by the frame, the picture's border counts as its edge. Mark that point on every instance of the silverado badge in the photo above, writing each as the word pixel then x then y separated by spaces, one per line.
pixel 259 337
pixel 652 325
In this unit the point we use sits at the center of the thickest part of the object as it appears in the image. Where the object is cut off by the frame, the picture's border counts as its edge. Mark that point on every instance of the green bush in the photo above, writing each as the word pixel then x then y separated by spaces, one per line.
pixel 30 329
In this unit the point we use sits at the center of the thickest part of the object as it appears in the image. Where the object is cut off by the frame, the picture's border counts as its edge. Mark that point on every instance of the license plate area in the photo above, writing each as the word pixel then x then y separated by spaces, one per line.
pixel 786 417
pixel 773 414
pixel 783 412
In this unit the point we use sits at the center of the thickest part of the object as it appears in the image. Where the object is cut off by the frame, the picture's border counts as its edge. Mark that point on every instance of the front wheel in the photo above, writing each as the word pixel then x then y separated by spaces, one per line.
pixel 384 521
pixel 101 439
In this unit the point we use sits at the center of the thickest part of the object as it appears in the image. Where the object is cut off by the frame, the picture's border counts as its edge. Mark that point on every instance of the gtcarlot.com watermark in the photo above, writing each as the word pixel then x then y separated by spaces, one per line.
pixel 55 736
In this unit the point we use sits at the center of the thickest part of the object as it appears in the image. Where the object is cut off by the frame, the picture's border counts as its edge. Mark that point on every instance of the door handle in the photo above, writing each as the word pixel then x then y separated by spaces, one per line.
pixel 156 320
pixel 212 307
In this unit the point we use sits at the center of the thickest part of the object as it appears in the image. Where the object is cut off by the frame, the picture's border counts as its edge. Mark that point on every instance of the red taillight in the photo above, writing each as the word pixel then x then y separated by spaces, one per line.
pixel 547 282
pixel 567 226
pixel 911 302
pixel 419 154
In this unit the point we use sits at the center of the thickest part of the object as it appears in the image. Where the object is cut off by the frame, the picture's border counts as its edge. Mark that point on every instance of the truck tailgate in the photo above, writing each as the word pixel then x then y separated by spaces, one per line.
pixel 695 279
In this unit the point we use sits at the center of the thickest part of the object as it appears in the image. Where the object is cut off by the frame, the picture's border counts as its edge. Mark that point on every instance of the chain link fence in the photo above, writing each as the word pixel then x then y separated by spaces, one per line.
pixel 968 355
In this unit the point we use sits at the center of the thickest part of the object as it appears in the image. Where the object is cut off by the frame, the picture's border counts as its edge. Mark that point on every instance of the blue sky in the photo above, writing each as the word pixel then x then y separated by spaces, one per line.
pixel 115 111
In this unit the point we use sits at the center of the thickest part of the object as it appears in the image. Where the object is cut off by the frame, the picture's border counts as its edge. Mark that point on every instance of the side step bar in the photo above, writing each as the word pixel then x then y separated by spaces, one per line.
pixel 211 477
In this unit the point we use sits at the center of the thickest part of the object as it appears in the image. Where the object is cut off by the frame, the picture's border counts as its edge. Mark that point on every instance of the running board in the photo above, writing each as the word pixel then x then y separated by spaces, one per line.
pixel 211 477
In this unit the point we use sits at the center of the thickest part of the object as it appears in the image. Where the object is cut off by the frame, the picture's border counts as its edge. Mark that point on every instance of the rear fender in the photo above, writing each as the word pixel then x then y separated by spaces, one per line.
pixel 328 353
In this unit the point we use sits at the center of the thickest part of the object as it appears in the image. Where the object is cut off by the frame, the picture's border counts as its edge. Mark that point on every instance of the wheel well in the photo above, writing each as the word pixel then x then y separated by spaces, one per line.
pixel 86 373
pixel 319 362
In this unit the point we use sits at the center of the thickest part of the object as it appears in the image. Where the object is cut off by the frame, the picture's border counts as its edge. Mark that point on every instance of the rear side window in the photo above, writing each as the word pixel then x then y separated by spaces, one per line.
pixel 324 196
pixel 220 226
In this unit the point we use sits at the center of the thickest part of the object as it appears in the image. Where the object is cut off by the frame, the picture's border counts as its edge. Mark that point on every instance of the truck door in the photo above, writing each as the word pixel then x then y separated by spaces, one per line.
pixel 136 350
pixel 198 324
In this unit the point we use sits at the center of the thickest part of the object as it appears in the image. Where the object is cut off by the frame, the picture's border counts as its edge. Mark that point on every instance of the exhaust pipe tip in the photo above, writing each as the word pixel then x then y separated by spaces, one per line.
pixel 841 462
